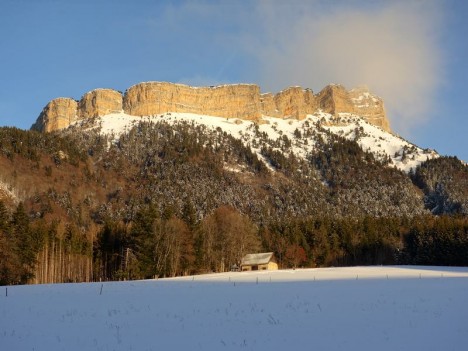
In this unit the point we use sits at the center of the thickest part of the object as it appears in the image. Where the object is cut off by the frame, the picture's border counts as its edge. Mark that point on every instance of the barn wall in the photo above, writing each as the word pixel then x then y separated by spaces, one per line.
pixel 272 266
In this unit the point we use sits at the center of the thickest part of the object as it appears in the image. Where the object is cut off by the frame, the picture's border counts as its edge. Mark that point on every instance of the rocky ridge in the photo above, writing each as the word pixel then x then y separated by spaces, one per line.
pixel 242 101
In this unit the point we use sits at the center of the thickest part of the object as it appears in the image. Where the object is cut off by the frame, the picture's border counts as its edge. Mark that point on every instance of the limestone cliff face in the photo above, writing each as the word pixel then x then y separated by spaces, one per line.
pixel 335 99
pixel 268 105
pixel 57 114
pixel 230 101
pixel 242 101
pixel 99 102
pixel 295 102
pixel 369 106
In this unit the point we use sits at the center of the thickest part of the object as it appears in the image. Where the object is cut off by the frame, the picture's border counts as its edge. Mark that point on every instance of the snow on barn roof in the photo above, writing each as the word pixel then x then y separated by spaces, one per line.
pixel 258 258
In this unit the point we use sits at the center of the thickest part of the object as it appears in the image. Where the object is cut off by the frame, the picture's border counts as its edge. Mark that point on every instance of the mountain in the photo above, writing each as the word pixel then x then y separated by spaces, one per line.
pixel 242 101
pixel 107 194
pixel 334 109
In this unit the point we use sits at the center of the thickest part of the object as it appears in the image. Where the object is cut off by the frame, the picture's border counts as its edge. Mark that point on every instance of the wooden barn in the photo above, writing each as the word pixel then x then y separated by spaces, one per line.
pixel 259 262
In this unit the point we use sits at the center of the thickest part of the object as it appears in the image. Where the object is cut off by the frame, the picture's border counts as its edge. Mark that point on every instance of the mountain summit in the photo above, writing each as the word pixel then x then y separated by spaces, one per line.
pixel 243 101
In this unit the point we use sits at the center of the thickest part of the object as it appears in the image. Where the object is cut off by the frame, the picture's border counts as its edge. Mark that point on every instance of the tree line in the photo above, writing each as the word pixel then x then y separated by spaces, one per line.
pixel 163 244
pixel 33 251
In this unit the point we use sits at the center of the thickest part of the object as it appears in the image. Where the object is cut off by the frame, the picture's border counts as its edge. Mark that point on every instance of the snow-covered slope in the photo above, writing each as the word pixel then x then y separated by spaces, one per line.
pixel 6 193
pixel 302 134
pixel 354 308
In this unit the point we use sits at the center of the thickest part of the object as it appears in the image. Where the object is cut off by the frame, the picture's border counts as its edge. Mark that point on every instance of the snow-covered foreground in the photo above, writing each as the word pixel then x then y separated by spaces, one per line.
pixel 358 308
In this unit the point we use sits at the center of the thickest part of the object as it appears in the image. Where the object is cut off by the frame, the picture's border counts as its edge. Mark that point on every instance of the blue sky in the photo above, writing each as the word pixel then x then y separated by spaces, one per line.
pixel 413 54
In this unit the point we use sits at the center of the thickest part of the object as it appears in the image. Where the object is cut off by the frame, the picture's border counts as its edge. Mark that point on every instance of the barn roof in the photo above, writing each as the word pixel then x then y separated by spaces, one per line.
pixel 257 258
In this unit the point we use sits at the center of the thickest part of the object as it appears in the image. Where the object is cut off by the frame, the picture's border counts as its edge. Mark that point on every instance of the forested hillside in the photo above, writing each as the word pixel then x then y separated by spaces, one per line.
pixel 445 185
pixel 166 200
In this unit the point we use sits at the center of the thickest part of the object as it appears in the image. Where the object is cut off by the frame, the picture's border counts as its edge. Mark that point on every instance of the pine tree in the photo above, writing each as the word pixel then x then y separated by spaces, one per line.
pixel 189 214
pixel 143 242
pixel 23 242
pixel 4 217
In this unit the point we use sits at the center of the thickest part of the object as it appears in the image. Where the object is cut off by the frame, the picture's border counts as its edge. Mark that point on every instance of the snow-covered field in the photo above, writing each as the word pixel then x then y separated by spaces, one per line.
pixel 354 308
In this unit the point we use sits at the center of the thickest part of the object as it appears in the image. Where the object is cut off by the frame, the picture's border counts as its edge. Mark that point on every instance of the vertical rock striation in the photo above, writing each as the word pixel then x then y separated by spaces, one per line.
pixel 99 102
pixel 57 114
pixel 295 102
pixel 230 101
pixel 335 99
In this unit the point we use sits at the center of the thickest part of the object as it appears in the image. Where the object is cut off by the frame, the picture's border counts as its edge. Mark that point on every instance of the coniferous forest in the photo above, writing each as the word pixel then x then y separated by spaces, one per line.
pixel 167 200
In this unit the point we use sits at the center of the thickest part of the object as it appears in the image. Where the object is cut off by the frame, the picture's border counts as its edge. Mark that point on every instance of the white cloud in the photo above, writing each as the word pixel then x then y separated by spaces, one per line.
pixel 392 48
